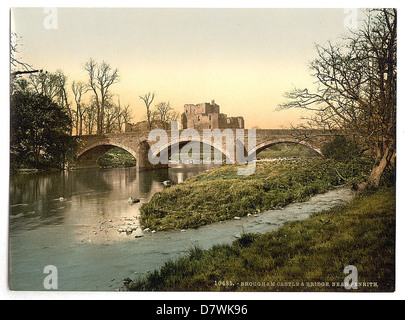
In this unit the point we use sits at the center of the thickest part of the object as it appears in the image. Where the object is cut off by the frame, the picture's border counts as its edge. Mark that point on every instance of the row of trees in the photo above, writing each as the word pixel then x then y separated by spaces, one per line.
pixel 92 105
pixel 40 116
pixel 96 116
pixel 47 111
pixel 357 89
pixel 102 115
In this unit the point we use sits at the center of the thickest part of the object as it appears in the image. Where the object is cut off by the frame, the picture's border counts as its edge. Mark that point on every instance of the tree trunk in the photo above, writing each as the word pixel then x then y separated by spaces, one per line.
pixel 77 121
pixel 149 118
pixel 376 174
pixel 374 179
pixel 98 120
pixel 81 125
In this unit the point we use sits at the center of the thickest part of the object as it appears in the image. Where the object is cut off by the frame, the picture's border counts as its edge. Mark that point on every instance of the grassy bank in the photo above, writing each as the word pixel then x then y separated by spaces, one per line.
pixel 312 253
pixel 287 150
pixel 117 158
pixel 222 194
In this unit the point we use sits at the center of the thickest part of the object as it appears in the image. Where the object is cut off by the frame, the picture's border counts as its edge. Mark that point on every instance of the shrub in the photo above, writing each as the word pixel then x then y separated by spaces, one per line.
pixel 340 149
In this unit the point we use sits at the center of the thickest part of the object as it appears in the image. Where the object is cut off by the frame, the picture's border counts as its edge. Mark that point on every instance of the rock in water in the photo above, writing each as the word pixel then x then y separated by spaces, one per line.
pixel 167 183
pixel 133 201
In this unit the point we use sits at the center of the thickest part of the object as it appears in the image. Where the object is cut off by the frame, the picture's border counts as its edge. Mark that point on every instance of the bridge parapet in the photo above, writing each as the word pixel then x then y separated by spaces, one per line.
pixel 91 148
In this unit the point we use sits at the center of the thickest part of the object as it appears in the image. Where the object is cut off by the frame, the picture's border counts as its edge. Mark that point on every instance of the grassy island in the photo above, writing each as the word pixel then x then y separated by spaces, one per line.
pixel 222 194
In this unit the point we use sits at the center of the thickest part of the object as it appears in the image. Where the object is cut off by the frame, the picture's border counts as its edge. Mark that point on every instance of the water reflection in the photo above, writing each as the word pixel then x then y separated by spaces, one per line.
pixel 92 205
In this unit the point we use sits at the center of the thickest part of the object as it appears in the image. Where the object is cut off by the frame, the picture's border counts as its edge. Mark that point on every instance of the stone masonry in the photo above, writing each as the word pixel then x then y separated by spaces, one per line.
pixel 91 148
pixel 207 116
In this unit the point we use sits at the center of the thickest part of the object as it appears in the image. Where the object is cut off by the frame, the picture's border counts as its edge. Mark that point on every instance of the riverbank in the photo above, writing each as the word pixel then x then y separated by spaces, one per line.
pixel 31 171
pixel 221 194
pixel 308 255
pixel 117 158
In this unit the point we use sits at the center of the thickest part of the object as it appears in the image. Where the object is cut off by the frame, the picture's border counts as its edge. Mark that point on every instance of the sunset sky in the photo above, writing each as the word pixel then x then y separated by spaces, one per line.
pixel 244 59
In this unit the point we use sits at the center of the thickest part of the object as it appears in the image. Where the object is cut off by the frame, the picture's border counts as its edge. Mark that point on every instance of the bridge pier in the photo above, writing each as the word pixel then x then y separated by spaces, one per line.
pixel 91 148
pixel 142 160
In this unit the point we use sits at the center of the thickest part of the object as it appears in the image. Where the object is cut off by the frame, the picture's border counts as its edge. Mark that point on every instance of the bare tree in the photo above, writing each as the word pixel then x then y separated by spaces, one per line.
pixel 47 84
pixel 165 113
pixel 101 78
pixel 90 117
pixel 126 115
pixel 123 116
pixel 110 117
pixel 79 89
pixel 16 62
pixel 357 88
pixel 162 111
pixel 61 81
pixel 173 116
pixel 115 116
pixel 148 100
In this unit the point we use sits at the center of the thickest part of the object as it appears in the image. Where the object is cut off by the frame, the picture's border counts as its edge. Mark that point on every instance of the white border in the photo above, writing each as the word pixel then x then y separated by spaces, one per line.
pixel 4 156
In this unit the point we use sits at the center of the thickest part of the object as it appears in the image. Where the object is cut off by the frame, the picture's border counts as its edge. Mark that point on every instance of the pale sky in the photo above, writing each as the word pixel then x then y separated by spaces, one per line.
pixel 244 59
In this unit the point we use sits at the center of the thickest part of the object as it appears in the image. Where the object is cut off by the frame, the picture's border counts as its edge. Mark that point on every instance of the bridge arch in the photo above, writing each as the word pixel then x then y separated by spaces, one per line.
pixel 88 157
pixel 138 144
pixel 266 144
pixel 167 148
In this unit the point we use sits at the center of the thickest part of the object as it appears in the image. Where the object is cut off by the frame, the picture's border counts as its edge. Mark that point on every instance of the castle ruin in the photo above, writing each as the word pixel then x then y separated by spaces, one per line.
pixel 207 116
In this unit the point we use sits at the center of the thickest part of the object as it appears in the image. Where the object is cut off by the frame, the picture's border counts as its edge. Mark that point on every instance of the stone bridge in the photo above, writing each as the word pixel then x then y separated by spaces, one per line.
pixel 139 144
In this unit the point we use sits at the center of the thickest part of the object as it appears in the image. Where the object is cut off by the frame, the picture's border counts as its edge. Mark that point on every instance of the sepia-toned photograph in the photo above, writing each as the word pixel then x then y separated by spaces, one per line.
pixel 202 150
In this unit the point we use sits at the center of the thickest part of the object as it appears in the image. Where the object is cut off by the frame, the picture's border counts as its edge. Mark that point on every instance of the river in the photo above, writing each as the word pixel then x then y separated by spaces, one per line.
pixel 70 220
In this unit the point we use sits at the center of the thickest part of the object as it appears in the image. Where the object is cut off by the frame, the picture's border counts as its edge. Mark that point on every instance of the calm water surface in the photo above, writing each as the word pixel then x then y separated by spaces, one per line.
pixel 71 220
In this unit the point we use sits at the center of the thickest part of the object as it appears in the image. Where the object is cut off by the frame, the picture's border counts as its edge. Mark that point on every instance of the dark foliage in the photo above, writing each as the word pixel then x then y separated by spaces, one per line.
pixel 40 130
